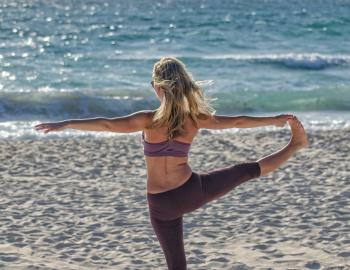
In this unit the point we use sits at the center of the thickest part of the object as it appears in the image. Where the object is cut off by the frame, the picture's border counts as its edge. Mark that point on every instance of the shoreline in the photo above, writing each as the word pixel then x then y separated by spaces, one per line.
pixel 312 121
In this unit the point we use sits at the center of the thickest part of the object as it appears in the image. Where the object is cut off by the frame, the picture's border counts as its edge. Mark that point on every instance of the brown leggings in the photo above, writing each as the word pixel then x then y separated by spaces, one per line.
pixel 166 209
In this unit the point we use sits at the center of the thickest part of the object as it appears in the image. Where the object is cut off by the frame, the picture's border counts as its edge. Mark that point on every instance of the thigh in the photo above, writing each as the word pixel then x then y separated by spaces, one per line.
pixel 218 182
pixel 174 203
pixel 170 236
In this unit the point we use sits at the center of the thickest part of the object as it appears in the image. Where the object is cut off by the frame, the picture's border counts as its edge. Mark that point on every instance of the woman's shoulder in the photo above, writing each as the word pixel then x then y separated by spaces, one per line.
pixel 149 114
pixel 148 117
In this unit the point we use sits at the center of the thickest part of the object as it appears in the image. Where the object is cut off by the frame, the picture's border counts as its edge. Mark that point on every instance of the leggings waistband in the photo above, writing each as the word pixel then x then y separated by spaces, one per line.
pixel 193 174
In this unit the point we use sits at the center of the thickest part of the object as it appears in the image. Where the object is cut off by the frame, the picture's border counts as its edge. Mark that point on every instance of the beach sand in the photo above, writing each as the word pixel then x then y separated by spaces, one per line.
pixel 80 203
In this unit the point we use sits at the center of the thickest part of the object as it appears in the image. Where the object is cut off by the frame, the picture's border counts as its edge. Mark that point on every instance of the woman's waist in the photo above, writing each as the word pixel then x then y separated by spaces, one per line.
pixel 162 180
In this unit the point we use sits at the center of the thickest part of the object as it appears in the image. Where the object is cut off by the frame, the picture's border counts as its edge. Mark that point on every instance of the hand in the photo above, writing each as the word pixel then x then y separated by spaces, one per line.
pixel 281 119
pixel 48 127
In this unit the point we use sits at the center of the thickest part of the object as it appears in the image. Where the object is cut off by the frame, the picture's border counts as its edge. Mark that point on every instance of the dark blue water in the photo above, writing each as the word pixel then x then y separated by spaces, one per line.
pixel 76 59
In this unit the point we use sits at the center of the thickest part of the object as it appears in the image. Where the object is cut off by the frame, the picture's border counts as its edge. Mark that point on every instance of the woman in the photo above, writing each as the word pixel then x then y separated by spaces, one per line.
pixel 173 189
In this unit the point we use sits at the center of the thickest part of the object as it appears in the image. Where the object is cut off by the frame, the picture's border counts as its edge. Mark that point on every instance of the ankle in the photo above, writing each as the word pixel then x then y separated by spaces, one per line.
pixel 295 146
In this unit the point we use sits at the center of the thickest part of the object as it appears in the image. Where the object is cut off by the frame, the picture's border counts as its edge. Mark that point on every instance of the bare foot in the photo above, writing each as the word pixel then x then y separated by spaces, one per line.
pixel 299 138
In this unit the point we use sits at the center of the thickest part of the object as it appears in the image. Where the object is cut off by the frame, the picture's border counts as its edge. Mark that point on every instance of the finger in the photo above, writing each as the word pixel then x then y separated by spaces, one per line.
pixel 42 124
pixel 44 127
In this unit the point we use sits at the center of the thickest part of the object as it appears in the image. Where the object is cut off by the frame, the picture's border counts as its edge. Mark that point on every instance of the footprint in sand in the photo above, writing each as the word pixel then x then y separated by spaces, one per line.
pixel 344 254
pixel 313 265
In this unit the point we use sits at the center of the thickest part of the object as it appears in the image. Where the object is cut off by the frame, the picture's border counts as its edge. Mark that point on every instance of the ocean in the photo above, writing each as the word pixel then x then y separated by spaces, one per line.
pixel 82 59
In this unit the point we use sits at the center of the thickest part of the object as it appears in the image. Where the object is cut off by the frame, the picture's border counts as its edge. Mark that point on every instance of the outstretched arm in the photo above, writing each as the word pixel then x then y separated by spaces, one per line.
pixel 130 123
pixel 124 124
pixel 243 121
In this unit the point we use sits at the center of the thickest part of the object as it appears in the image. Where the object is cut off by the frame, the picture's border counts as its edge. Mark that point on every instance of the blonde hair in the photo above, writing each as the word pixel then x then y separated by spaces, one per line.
pixel 182 96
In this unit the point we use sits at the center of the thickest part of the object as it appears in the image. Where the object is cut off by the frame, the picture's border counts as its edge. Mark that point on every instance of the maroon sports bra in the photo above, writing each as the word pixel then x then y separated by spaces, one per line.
pixel 166 148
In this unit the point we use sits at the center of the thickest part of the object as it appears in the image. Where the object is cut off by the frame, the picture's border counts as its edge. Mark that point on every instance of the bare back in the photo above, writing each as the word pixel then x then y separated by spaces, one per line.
pixel 167 172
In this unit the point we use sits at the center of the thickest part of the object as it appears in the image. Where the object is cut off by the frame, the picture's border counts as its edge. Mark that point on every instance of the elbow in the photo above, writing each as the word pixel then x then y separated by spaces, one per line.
pixel 239 122
pixel 105 125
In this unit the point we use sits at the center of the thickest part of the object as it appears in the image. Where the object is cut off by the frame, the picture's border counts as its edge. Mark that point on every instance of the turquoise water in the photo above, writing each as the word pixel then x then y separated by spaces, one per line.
pixel 77 59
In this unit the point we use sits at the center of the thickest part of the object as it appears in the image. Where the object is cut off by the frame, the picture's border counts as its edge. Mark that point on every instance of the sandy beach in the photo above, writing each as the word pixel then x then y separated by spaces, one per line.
pixel 80 203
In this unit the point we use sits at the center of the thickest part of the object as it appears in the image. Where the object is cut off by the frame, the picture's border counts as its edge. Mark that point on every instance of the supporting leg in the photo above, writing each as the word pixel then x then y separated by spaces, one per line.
pixel 170 236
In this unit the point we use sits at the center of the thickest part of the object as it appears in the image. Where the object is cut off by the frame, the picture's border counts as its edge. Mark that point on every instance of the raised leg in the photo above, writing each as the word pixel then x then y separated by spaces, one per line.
pixel 218 182
pixel 298 140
